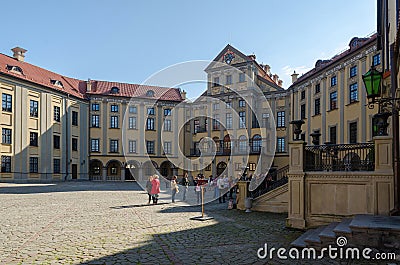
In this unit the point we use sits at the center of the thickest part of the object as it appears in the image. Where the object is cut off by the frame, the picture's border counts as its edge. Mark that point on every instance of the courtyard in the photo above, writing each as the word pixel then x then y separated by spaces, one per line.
pixel 111 223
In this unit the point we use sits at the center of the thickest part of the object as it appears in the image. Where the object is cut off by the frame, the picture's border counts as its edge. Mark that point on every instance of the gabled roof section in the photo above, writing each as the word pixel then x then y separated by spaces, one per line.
pixel 246 58
pixel 105 88
pixel 34 74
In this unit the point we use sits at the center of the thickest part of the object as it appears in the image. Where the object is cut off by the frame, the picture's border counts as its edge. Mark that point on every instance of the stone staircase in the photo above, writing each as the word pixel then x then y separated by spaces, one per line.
pixel 380 233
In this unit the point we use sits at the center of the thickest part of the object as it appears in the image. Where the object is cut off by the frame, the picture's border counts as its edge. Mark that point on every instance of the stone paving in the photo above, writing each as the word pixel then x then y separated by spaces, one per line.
pixel 111 223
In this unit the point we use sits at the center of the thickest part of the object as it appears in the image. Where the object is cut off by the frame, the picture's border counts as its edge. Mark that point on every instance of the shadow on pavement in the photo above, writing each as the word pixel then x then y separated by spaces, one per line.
pixel 70 186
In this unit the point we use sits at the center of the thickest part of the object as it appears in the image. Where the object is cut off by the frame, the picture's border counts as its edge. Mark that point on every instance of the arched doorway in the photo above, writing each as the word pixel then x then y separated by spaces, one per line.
pixel 149 168
pixel 113 170
pixel 221 168
pixel 166 169
pixel 95 169
pixel 132 170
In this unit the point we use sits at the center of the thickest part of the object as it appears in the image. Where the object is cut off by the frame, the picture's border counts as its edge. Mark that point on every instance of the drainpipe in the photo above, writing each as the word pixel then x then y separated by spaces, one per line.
pixel 395 128
pixel 67 138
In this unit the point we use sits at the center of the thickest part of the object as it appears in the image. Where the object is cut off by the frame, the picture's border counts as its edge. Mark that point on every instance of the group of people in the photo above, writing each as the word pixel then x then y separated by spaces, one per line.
pixel 153 188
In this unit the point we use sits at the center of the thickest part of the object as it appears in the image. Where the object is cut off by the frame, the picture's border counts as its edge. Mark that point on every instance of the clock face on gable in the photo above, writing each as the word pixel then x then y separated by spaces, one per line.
pixel 228 57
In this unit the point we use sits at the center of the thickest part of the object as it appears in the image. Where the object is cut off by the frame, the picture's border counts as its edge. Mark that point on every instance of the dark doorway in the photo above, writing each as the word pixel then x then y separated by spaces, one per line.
pixel 74 171
pixel 221 168
pixel 128 174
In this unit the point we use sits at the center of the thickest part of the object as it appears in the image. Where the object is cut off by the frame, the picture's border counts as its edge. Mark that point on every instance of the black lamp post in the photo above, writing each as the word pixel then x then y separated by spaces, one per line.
pixel 297 128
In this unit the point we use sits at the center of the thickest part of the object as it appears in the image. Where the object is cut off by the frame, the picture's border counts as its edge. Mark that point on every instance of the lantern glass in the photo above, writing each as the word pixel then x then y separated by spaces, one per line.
pixel 372 81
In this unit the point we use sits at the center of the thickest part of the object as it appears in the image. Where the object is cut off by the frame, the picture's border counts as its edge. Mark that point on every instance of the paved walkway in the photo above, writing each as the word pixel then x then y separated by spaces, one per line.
pixel 111 223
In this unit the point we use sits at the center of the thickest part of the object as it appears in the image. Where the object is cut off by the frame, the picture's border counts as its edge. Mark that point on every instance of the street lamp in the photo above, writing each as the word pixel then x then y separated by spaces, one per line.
pixel 372 81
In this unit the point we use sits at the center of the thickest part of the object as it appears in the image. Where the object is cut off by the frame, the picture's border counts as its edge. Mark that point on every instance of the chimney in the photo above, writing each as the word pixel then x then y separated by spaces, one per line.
pixel 280 82
pixel 267 69
pixel 183 94
pixel 252 57
pixel 275 78
pixel 294 77
pixel 89 85
pixel 19 53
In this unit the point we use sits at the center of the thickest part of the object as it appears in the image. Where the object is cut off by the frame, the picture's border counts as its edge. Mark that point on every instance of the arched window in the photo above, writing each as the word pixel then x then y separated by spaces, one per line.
pixel 256 143
pixel 243 143
pixel 150 93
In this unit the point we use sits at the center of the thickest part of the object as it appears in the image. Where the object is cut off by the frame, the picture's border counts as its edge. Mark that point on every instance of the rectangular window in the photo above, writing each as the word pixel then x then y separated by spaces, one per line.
pixel 150 124
pixel 6 102
pixel 333 80
pixel 281 119
pixel 280 145
pixel 56 141
pixel 252 166
pixel 317 88
pixel 150 147
pixel 317 106
pixel 34 108
pixel 95 107
pixel 74 144
pixel 114 108
pixel 33 139
pixel 167 112
pixel 6 164
pixel 33 165
pixel 303 111
pixel 132 146
pixel 229 105
pixel 95 121
pixel 353 92
pixel 229 79
pixel 215 122
pixel 353 71
pixel 168 147
pixel 332 135
pixel 254 121
pixel 74 118
pixel 333 100
pixel 167 125
pixel 229 122
pixel 95 145
pixel 242 119
pixel 56 166
pixel 303 95
pixel 133 109
pixel 114 124
pixel 216 81
pixel 196 126
pixel 242 103
pixel 216 106
pixel 6 136
pixel 150 111
pixel 57 114
pixel 113 146
pixel 242 77
pixel 132 123
pixel 376 59
pixel 353 132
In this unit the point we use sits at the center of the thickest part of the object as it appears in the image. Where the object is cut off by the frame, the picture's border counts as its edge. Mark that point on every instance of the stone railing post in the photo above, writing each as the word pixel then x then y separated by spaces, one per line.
pixel 296 183
pixel 243 193
pixel 383 154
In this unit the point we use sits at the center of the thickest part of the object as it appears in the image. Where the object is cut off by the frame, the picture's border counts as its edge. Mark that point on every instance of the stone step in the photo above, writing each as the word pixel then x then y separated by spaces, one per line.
pixel 327 235
pixel 299 242
pixel 376 222
pixel 343 228
pixel 313 238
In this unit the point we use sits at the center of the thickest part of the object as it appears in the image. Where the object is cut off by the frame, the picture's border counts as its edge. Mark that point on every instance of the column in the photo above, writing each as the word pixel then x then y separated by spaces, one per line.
pixel 104 176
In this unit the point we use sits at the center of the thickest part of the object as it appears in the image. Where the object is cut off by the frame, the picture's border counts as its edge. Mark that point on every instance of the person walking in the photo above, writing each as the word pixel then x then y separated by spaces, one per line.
pixel 155 189
pixel 174 187
pixel 185 185
pixel 148 188
pixel 221 188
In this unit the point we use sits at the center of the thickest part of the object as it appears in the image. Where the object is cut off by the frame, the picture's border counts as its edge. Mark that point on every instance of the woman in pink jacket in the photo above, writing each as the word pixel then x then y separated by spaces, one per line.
pixel 155 188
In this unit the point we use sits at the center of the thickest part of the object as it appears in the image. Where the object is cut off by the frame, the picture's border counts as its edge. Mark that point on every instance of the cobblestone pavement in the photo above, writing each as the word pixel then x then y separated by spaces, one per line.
pixel 111 223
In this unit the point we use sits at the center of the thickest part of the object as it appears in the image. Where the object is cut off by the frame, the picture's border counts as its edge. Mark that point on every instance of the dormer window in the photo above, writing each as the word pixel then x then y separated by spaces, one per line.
pixel 15 69
pixel 114 90
pixel 150 93
pixel 56 83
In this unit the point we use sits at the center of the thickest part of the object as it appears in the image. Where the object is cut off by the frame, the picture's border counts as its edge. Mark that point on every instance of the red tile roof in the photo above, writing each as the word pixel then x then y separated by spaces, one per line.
pixel 135 90
pixel 42 76
pixel 77 87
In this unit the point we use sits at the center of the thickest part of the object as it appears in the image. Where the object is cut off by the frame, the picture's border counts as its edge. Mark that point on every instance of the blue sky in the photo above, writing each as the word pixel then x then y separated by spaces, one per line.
pixel 127 41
